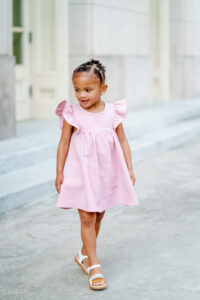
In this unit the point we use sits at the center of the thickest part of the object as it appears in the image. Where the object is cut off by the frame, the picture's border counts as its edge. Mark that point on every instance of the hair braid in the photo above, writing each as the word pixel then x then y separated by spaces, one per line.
pixel 94 66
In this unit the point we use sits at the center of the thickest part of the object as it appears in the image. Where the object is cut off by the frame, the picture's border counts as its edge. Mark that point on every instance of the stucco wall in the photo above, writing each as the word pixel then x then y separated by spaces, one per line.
pixel 185 48
pixel 118 34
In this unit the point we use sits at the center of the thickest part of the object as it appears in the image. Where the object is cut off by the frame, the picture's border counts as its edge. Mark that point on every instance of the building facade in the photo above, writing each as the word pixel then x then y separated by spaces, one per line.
pixel 151 50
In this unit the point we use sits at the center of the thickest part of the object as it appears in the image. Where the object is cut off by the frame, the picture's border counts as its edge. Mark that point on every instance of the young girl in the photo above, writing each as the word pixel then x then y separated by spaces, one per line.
pixel 98 172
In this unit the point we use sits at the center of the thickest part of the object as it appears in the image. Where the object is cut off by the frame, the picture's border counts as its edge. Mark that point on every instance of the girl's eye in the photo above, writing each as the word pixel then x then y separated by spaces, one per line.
pixel 87 90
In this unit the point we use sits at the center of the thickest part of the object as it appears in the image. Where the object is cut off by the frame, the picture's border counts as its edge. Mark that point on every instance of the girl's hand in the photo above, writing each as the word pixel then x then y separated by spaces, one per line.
pixel 59 181
pixel 132 176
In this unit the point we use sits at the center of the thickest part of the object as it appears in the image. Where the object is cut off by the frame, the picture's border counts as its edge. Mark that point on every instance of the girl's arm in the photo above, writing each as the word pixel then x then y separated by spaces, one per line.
pixel 126 149
pixel 63 148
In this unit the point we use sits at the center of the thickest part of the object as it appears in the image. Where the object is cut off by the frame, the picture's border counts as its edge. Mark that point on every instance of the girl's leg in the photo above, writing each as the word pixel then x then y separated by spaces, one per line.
pixel 98 221
pixel 99 217
pixel 88 234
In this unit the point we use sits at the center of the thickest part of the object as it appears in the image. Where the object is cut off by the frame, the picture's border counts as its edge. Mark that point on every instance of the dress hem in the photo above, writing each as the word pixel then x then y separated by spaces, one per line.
pixel 64 207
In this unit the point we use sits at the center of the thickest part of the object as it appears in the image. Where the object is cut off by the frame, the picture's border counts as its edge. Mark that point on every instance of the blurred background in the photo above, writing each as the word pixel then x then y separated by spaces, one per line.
pixel 151 50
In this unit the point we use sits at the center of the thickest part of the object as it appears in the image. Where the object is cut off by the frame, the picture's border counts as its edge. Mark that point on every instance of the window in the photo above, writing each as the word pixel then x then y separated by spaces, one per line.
pixel 18 31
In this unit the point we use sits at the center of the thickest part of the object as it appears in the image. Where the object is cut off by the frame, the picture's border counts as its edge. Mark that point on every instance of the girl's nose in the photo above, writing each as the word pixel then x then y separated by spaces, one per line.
pixel 82 94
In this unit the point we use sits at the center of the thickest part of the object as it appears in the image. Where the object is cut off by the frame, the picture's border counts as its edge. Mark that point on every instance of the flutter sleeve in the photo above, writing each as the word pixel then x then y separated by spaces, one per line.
pixel 120 109
pixel 65 111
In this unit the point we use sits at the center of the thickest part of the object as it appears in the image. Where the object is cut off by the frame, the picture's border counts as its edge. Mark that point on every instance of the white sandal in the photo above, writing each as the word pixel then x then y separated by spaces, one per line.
pixel 96 277
pixel 79 261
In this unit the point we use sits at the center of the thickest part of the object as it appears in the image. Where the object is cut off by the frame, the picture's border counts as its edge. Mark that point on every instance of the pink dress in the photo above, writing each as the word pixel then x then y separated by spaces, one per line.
pixel 95 174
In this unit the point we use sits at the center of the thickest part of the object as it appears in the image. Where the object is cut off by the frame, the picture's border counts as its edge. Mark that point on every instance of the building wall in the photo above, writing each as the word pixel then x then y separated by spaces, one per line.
pixel 151 50
pixel 118 34
pixel 184 48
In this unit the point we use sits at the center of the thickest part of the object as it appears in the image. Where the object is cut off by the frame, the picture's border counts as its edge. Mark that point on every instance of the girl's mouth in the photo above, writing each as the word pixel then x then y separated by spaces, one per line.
pixel 84 101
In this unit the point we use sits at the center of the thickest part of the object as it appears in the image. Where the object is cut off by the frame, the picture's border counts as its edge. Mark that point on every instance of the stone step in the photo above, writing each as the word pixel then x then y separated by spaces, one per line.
pixel 160 116
pixel 163 139
pixel 38 141
pixel 30 146
pixel 26 158
pixel 26 186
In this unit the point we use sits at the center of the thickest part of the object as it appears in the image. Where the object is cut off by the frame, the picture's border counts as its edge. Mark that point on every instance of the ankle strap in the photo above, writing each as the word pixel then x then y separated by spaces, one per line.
pixel 81 256
pixel 92 267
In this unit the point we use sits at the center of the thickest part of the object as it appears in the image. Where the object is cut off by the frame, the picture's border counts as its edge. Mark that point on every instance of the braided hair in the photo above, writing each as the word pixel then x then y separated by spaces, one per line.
pixel 93 65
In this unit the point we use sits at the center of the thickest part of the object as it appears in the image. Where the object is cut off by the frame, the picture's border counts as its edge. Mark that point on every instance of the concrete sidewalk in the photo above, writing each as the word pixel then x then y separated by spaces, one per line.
pixel 147 252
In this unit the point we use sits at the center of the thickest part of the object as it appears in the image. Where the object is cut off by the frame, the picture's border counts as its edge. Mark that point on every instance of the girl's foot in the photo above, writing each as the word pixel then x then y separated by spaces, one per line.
pixel 85 261
pixel 94 271
pixel 82 260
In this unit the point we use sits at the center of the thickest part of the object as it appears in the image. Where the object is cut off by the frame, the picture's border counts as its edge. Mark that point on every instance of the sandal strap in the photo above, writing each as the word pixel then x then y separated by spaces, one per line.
pixel 81 256
pixel 95 277
pixel 92 267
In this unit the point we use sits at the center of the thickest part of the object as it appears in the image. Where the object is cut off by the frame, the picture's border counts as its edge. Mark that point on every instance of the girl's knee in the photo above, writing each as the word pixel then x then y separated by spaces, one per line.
pixel 87 218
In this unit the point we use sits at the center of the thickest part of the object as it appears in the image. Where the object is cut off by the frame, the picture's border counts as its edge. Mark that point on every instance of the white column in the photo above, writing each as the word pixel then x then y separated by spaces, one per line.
pixel 185 48
pixel 160 48
pixel 5 25
pixel 7 94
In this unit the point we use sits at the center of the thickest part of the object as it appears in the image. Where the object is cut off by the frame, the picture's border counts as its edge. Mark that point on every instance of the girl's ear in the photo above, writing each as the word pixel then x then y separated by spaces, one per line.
pixel 104 88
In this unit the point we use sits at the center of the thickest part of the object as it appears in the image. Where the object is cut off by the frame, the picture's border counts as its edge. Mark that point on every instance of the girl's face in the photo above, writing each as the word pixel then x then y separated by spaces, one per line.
pixel 87 88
